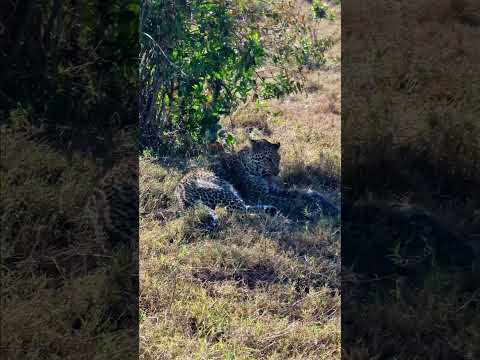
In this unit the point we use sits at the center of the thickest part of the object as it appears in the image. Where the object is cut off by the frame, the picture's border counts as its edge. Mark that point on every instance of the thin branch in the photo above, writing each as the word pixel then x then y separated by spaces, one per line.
pixel 164 54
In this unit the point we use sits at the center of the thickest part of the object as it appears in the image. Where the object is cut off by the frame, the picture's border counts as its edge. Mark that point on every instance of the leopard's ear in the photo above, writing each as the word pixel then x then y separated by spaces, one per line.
pixel 252 143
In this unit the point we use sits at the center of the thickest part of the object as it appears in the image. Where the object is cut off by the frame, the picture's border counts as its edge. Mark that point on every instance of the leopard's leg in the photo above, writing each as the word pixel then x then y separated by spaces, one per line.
pixel 312 200
pixel 252 190
pixel 212 223
pixel 268 209
pixel 326 207
pixel 237 203
pixel 290 202
pixel 180 194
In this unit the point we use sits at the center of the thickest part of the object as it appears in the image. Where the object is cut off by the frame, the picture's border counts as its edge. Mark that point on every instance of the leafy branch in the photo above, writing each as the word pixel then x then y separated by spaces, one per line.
pixel 201 58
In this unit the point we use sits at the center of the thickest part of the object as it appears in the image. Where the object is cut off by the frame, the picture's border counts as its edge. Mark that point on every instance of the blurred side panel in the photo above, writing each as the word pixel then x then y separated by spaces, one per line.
pixel 410 171
pixel 69 179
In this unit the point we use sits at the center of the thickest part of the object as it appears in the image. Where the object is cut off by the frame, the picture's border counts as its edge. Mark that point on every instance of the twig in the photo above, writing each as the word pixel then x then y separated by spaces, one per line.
pixel 164 54
pixel 466 303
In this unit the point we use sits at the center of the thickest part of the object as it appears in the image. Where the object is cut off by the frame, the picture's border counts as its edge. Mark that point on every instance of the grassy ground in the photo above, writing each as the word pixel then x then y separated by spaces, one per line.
pixel 63 293
pixel 253 290
pixel 412 136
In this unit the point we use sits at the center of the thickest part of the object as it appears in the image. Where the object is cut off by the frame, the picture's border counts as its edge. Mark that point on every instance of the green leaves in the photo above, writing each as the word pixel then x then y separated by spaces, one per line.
pixel 321 10
pixel 230 140
pixel 134 7
pixel 279 86
pixel 205 67
pixel 209 55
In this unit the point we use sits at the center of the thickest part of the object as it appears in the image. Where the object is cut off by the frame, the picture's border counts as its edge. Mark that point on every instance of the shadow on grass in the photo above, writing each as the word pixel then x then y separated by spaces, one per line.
pixel 409 254
pixel 310 176
pixel 421 200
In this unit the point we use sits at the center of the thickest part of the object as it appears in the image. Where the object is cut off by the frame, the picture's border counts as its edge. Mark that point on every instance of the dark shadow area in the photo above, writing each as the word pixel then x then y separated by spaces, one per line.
pixel 410 179
pixel 309 175
pixel 258 275
pixel 69 175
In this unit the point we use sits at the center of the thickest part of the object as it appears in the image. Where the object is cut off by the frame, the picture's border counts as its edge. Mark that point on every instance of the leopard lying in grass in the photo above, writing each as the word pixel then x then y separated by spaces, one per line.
pixel 247 181
pixel 204 187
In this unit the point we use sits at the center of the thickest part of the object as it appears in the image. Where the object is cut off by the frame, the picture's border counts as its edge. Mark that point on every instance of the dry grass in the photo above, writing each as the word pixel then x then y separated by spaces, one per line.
pixel 251 290
pixel 59 287
pixel 410 133
pixel 254 289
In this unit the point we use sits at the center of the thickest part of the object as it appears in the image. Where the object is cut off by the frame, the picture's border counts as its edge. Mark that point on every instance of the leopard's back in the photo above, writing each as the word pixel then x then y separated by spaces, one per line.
pixel 205 187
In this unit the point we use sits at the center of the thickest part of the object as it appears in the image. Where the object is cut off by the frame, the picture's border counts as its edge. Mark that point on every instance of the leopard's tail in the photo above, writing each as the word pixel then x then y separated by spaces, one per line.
pixel 327 207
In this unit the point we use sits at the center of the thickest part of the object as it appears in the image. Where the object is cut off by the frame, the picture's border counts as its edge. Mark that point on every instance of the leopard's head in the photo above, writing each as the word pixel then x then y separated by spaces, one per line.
pixel 263 158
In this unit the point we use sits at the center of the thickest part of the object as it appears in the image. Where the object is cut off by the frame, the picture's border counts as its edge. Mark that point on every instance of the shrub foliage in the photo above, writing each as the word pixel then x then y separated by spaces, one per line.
pixel 201 58
pixel 70 66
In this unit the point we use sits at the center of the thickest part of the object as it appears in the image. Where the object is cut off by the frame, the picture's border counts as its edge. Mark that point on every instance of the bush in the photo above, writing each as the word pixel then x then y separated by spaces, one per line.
pixel 205 57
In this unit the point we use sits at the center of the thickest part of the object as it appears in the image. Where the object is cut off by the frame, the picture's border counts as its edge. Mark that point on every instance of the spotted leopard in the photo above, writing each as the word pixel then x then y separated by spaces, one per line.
pixel 112 209
pixel 254 173
pixel 247 180
pixel 113 206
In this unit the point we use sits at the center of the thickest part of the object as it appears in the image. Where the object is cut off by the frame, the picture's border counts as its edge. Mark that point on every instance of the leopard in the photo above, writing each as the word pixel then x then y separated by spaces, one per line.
pixel 113 205
pixel 247 180
pixel 204 187
pixel 254 173
pixel 111 209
